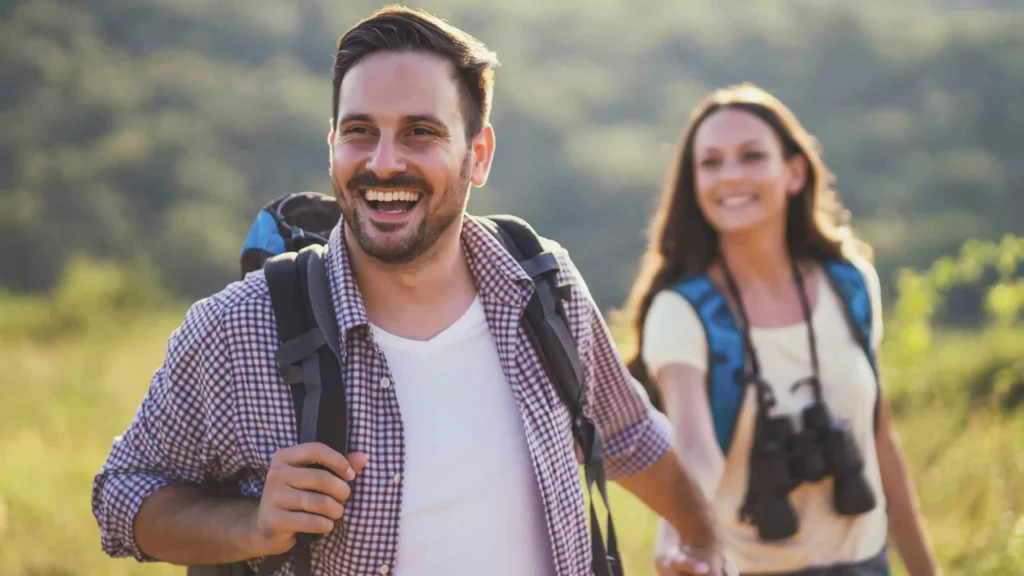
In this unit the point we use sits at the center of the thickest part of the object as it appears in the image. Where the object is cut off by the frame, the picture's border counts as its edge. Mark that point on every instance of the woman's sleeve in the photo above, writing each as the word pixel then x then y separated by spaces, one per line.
pixel 673 334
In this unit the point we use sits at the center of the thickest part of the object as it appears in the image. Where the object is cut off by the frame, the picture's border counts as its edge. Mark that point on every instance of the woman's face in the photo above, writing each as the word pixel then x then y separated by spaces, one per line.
pixel 742 178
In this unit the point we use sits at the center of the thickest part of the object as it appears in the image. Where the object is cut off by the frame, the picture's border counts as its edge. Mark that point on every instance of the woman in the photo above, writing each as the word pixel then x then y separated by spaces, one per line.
pixel 749 214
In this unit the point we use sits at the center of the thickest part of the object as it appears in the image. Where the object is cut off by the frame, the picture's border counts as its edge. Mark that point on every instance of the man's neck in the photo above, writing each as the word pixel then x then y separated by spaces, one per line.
pixel 419 299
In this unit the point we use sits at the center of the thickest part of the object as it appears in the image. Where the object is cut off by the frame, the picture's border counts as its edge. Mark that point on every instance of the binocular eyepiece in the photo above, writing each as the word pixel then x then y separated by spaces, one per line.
pixel 782 459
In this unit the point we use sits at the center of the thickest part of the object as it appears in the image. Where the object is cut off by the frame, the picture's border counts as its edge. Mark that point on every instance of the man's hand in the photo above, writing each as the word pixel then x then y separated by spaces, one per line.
pixel 300 499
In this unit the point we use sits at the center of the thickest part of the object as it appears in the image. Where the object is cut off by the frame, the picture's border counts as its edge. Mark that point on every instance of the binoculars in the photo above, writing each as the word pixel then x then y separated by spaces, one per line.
pixel 782 459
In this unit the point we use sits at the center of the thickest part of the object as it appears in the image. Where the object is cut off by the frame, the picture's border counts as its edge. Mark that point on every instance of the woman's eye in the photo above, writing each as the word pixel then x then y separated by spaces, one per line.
pixel 710 162
pixel 753 156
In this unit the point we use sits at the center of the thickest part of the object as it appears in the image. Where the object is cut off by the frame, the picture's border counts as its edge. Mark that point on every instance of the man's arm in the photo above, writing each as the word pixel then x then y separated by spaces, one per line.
pixel 169 440
pixel 147 497
pixel 182 524
pixel 667 489
pixel 637 437
pixel 642 459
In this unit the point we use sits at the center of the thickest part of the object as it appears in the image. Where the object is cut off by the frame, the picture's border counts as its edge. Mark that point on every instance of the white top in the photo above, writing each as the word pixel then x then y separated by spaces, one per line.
pixel 673 334
pixel 470 501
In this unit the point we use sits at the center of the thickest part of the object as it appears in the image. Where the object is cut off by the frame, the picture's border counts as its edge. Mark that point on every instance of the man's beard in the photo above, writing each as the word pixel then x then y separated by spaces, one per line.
pixel 413 243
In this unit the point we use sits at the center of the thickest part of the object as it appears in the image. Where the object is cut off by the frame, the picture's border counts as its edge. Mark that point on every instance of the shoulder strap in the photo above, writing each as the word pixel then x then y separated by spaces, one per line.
pixel 849 284
pixel 308 365
pixel 726 355
pixel 544 314
pixel 548 327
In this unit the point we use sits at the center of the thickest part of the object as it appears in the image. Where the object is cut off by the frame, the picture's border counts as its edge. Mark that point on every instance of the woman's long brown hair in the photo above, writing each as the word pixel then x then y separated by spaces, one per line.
pixel 681 242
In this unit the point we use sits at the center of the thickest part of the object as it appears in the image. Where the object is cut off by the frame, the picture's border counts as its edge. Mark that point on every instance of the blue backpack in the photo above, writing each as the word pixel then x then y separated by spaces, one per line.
pixel 726 355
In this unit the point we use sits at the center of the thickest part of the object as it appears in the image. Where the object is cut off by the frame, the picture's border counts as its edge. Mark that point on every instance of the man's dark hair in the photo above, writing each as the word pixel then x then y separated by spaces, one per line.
pixel 402 29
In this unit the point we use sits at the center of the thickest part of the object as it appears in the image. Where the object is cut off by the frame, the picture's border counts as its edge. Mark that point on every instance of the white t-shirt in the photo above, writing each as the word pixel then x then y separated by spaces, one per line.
pixel 673 334
pixel 470 500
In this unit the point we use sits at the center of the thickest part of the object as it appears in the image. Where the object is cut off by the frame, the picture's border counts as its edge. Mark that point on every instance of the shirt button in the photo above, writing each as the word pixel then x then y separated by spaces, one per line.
pixel 385 569
pixel 398 478
pixel 385 382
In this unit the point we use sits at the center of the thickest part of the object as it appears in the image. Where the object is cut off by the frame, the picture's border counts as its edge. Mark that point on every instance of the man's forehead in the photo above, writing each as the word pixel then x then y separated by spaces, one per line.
pixel 395 84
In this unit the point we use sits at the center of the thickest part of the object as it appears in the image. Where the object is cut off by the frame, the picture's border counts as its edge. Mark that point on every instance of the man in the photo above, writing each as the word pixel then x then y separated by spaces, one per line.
pixel 462 460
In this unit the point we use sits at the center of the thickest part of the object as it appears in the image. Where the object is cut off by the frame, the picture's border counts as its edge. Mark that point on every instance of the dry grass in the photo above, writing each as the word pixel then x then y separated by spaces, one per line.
pixel 67 393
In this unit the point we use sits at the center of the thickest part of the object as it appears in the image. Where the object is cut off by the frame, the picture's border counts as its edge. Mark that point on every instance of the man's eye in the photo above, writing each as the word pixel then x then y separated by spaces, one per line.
pixel 421 131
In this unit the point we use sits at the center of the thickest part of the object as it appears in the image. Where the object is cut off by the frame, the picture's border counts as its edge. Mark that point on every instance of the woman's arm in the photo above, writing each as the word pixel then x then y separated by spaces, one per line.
pixel 906 526
pixel 684 392
pixel 685 399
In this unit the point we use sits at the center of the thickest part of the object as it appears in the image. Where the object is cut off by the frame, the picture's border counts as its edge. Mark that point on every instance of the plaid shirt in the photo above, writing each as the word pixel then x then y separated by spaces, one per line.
pixel 217 410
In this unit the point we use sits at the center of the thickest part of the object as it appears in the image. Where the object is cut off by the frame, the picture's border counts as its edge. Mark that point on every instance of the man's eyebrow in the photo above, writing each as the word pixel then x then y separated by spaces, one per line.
pixel 407 119
pixel 355 118
pixel 428 118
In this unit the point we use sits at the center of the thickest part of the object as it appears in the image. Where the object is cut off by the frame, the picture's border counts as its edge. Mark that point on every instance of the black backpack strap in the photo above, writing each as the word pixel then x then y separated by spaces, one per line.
pixel 548 327
pixel 308 365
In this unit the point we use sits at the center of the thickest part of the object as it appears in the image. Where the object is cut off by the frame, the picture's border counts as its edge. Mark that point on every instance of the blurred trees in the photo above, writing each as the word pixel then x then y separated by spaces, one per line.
pixel 153 130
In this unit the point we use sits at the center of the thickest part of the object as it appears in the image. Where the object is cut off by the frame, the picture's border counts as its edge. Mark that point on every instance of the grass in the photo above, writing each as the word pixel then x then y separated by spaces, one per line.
pixel 70 388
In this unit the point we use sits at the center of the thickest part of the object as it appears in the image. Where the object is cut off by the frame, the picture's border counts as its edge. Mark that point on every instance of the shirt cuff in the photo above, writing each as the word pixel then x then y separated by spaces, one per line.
pixel 118 498
pixel 638 446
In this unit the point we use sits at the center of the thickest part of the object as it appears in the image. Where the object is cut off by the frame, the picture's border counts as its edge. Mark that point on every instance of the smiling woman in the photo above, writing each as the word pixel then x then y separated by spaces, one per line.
pixel 769 376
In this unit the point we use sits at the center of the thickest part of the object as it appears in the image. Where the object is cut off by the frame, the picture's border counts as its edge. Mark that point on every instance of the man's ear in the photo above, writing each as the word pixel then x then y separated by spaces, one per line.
pixel 482 147
pixel 330 143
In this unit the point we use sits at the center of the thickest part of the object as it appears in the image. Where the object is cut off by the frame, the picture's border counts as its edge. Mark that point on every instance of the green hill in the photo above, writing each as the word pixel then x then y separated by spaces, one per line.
pixel 154 129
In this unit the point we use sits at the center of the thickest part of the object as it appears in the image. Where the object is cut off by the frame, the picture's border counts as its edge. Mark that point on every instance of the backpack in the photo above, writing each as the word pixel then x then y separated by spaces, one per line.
pixel 309 359
pixel 726 352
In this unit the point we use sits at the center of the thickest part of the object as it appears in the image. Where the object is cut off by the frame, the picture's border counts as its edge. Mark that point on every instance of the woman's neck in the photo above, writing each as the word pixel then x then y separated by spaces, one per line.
pixel 755 260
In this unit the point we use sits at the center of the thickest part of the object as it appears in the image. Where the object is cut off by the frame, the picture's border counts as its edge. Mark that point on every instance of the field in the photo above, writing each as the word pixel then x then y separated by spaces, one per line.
pixel 74 374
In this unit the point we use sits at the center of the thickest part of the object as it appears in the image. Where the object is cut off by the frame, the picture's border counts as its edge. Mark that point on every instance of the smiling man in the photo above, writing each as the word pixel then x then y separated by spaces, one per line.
pixel 463 461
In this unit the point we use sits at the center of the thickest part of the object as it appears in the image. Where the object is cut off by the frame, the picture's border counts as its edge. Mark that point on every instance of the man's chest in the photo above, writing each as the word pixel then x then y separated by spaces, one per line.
pixel 462 424
pixel 473 418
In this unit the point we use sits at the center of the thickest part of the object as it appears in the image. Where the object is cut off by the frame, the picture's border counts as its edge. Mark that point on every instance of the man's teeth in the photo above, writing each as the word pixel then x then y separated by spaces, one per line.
pixel 392 195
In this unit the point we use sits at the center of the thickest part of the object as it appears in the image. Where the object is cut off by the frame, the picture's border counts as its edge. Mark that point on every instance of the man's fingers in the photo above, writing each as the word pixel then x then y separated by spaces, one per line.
pixel 358 460
pixel 303 523
pixel 313 453
pixel 313 480
pixel 312 502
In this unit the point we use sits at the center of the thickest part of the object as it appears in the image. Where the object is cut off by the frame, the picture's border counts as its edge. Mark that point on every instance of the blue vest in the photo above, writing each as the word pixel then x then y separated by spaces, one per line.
pixel 726 354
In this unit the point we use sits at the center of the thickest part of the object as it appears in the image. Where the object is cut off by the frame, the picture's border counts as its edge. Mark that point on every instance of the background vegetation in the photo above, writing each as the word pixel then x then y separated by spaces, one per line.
pixel 137 139
pixel 154 129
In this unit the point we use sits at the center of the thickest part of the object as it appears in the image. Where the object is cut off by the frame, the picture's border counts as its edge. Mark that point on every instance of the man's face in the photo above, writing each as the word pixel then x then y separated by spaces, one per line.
pixel 401 166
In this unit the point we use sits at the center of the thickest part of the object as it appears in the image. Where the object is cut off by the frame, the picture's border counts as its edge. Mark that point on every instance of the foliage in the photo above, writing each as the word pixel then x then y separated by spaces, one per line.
pixel 155 129
pixel 89 293
pixel 998 266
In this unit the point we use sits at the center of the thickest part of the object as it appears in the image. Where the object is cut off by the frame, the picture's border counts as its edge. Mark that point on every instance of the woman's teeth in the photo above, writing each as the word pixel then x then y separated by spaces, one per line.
pixel 738 200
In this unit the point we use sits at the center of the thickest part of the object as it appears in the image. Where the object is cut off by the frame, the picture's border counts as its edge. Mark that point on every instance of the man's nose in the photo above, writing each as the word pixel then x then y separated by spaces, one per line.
pixel 386 159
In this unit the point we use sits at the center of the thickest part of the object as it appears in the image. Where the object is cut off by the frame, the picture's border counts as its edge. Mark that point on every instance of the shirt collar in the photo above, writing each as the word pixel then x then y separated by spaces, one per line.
pixel 499 278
